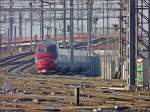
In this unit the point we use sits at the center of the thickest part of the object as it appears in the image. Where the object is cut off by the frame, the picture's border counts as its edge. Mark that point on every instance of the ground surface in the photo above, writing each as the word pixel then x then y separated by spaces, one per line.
pixel 33 92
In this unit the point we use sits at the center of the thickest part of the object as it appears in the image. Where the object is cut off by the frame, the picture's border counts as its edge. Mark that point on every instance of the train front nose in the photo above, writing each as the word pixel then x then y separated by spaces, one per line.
pixel 45 65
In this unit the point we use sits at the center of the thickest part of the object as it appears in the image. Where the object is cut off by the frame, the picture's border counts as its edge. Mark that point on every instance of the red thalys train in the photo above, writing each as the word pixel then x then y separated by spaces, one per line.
pixel 45 56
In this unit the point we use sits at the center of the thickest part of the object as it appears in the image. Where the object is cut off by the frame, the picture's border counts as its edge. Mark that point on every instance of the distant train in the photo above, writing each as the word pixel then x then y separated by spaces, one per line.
pixel 45 56
pixel 50 58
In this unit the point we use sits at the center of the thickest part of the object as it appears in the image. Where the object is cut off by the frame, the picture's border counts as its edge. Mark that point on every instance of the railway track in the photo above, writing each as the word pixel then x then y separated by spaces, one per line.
pixel 44 92
pixel 27 91
pixel 13 58
pixel 20 67
pixel 16 63
pixel 12 63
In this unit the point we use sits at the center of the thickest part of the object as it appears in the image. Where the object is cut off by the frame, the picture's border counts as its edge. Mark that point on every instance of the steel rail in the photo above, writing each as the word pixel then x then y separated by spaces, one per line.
pixel 18 68
pixel 14 57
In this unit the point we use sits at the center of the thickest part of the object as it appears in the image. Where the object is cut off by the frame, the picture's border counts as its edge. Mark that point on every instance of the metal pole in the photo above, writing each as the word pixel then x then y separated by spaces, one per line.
pixel 0 44
pixel 50 22
pixel 31 25
pixel 89 28
pixel 107 18
pixel 11 27
pixel 121 38
pixel 20 25
pixel 149 40
pixel 15 35
pixel 103 19
pixel 95 22
pixel 82 24
pixel 42 20
pixel 64 20
pixel 137 24
pixel 8 39
pixel 71 35
pixel 0 30
pixel 89 23
pixel 55 30
pixel 77 96
pixel 142 19
pixel 149 31
pixel 107 25
pixel 8 34
pixel 77 17
pixel 132 43
pixel 25 28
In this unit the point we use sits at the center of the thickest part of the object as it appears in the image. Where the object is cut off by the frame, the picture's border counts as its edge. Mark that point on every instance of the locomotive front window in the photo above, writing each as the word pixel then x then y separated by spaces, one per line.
pixel 42 50
pixel 51 49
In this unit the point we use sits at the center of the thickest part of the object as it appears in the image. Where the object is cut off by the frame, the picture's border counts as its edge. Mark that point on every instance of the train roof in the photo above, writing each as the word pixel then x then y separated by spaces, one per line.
pixel 47 43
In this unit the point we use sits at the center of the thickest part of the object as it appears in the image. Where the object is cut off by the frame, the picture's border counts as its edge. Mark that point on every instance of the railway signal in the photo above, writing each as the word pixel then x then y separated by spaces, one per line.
pixel 139 72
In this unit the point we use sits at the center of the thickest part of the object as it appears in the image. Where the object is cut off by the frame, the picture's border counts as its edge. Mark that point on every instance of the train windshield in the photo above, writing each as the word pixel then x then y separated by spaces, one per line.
pixel 52 49
pixel 42 49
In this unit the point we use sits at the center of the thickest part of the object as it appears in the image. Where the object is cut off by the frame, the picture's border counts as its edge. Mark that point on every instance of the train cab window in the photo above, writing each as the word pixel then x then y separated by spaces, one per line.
pixel 42 50
pixel 51 49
